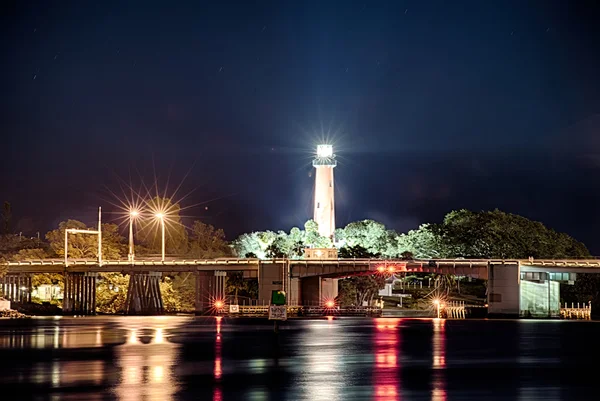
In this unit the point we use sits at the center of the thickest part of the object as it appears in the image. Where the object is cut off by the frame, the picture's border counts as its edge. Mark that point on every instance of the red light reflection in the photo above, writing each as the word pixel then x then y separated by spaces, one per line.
pixel 387 370
pixel 217 394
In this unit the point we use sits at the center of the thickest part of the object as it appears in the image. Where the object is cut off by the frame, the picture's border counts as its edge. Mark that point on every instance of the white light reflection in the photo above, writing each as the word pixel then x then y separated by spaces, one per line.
pixel 324 376
pixel 55 374
pixel 98 337
pixel 438 393
pixel 159 336
pixel 56 336
pixel 147 366
pixel 386 374
pixel 132 339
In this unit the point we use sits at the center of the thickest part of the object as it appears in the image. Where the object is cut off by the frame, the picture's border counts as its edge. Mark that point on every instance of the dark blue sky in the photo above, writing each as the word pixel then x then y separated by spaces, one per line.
pixel 432 106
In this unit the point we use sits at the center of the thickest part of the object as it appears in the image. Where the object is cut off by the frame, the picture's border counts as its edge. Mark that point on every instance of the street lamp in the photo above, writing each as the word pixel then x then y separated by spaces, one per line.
pixel 161 217
pixel 436 302
pixel 132 215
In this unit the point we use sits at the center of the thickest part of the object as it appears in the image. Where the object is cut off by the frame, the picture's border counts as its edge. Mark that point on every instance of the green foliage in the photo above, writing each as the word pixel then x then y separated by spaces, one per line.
pixel 208 242
pixel 269 244
pixel 355 252
pixel 47 279
pixel 171 299
pixel 30 254
pixel 370 235
pixel 236 286
pixel 3 266
pixel 356 290
pixel 85 246
pixel 422 243
pixel 111 292
pixel 312 238
pixel 496 234
pixel 11 244
pixel 184 290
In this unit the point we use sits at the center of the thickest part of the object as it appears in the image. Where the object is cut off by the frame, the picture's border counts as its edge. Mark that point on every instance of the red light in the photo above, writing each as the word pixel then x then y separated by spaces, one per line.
pixel 380 269
pixel 218 304
pixel 330 304
pixel 392 268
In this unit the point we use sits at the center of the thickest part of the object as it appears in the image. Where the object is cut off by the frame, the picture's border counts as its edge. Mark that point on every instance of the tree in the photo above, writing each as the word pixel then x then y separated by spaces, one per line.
pixel 85 246
pixel 30 254
pixel 355 252
pixel 208 242
pixel 176 237
pixel 421 243
pixel 356 290
pixel 312 238
pixel 371 235
pixel 3 266
pixel 237 286
pixel 184 289
pixel 111 292
pixel 495 234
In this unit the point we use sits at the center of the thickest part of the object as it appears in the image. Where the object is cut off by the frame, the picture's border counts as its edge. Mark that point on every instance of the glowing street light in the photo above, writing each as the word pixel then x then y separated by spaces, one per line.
pixel 161 217
pixel 436 302
pixel 132 215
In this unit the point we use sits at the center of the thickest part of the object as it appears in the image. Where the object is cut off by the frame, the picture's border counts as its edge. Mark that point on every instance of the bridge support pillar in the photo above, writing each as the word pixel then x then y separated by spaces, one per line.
pixel 143 294
pixel 504 290
pixel 329 289
pixel 294 295
pixel 16 287
pixel 210 286
pixel 317 290
pixel 80 293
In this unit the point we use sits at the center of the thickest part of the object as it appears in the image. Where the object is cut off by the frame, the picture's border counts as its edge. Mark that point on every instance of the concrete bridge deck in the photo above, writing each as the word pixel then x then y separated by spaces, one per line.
pixel 476 268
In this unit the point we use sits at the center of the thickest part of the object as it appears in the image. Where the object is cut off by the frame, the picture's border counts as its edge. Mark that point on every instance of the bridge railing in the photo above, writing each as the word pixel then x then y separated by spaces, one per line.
pixel 576 312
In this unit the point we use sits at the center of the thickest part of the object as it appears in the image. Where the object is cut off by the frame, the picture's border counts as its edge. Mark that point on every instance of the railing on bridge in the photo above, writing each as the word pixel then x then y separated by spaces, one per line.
pixel 576 312
pixel 263 310
pixel 454 310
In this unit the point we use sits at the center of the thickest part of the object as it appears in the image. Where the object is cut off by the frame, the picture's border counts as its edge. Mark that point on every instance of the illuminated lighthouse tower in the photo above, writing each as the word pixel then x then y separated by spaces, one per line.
pixel 324 214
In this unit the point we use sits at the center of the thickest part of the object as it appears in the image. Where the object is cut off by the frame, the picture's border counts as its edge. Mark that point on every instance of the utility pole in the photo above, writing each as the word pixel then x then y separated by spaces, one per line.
pixel 100 236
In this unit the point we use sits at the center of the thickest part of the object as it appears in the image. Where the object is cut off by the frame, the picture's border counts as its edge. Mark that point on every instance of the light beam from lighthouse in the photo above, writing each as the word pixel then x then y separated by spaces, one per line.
pixel 324 207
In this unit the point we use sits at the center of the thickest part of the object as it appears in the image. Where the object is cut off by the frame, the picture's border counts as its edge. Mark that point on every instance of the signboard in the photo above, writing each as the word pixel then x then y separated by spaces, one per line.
pixel 234 309
pixel 277 312
pixel 278 297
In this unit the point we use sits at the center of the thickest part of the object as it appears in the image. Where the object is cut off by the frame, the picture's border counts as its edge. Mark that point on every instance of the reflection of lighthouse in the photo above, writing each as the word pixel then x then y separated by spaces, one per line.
pixel 324 214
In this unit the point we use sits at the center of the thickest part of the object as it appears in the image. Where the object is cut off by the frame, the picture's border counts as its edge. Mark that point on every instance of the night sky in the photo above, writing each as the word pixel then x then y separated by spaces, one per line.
pixel 431 106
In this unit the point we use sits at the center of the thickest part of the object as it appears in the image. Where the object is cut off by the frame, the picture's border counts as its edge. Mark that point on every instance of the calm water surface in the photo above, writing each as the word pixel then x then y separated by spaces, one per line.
pixel 182 358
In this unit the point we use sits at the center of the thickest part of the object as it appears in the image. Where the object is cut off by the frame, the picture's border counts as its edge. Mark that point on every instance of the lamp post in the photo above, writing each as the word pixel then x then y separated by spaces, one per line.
pixel 132 215
pixel 161 217
pixel 436 302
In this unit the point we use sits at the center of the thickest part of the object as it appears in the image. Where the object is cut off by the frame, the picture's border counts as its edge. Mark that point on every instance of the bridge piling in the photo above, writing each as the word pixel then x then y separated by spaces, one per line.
pixel 143 294
pixel 16 287
pixel 210 286
pixel 80 293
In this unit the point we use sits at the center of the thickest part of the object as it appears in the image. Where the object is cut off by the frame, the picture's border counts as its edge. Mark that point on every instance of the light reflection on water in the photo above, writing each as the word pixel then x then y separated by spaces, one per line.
pixel 386 373
pixel 438 392
pixel 172 358
pixel 146 362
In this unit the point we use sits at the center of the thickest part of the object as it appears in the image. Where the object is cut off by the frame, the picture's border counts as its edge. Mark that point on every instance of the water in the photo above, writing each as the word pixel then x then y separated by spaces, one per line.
pixel 182 358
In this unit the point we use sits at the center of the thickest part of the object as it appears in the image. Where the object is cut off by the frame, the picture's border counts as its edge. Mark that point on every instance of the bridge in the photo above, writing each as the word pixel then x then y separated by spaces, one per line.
pixel 515 287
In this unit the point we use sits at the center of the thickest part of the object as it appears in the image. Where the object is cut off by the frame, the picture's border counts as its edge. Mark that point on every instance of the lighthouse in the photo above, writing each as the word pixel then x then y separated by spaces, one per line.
pixel 324 211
